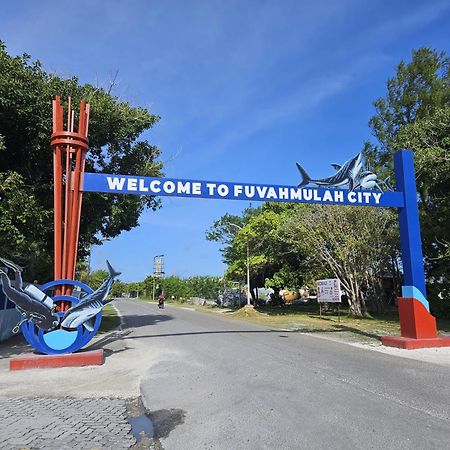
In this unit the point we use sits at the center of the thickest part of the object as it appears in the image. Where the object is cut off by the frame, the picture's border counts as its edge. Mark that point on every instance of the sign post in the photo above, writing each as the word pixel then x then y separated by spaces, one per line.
pixel 329 291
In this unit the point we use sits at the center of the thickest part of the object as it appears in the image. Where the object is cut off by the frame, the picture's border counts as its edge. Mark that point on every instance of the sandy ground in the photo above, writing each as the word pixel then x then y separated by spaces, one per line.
pixel 126 362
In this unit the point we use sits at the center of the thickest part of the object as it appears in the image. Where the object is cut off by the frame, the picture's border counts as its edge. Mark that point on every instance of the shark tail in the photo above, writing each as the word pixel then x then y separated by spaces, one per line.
pixel 306 179
pixel 112 272
pixel 387 183
pixel 11 265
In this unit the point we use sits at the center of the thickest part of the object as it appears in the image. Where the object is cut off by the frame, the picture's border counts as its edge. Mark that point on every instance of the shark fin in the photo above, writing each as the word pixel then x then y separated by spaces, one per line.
pixel 305 177
pixel 112 272
pixel 351 184
pixel 336 166
pixel 89 324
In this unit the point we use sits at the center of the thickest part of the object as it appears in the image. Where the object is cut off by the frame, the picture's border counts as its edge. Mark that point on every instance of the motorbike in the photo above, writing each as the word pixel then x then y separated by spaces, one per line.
pixel 161 303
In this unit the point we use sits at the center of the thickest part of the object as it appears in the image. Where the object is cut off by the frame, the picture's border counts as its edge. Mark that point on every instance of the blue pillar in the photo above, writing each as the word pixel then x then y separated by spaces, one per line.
pixel 410 241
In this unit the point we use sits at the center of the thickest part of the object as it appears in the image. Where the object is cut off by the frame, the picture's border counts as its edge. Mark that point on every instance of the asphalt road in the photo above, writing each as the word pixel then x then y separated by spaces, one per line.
pixel 218 383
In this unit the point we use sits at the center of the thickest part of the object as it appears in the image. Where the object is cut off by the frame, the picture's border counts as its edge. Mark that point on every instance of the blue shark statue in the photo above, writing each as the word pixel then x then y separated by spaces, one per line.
pixel 33 304
pixel 346 174
pixel 84 312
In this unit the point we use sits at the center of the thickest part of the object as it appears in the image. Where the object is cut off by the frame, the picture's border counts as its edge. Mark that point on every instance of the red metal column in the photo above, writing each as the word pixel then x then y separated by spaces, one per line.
pixel 68 180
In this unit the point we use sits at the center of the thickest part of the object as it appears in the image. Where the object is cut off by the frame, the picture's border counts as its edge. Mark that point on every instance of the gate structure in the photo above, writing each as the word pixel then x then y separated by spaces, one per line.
pixel 418 326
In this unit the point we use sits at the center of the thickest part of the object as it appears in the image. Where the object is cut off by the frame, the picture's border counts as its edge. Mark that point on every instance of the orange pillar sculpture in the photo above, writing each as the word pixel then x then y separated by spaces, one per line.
pixel 69 157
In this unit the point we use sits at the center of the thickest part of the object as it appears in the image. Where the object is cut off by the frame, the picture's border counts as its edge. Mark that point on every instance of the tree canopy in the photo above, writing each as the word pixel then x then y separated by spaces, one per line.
pixel 26 199
pixel 291 243
pixel 415 114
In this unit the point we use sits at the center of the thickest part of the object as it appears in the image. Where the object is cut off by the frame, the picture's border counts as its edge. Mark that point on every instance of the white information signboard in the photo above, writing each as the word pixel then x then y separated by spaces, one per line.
pixel 329 291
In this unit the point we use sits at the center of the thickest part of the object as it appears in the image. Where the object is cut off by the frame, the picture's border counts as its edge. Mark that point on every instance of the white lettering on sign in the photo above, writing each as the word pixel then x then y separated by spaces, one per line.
pixel 223 190
pixel 142 187
pixel 169 187
pixel 249 191
pixel 132 184
pixel 155 186
pixel 377 196
pixel 352 197
pixel 186 188
pixel 115 183
pixel 211 187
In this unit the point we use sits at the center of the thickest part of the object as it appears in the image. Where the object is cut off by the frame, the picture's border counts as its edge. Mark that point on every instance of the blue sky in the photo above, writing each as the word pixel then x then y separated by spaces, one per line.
pixel 244 89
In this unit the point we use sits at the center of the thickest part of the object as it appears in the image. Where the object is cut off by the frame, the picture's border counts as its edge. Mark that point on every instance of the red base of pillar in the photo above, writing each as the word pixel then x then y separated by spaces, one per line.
pixel 417 327
pixel 411 344
pixel 415 320
pixel 91 358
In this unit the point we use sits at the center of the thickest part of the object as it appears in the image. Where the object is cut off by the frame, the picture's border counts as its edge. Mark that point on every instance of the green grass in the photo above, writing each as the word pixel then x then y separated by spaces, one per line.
pixel 305 318
pixel 110 319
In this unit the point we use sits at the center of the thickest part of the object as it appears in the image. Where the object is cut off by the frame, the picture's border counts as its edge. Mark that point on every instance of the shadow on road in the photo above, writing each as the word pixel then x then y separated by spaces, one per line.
pixel 136 321
pixel 198 333
pixel 336 329
pixel 14 346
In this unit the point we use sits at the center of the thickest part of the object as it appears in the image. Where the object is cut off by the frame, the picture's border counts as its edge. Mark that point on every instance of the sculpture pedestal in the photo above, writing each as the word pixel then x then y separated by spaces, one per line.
pixel 32 361
pixel 417 326
pixel 411 343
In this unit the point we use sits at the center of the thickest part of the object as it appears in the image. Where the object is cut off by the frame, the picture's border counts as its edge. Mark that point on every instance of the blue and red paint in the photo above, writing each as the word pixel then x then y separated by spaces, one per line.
pixel 417 325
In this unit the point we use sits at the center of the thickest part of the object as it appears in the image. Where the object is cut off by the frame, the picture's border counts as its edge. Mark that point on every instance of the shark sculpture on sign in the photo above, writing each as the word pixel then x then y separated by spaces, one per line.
pixel 84 312
pixel 346 174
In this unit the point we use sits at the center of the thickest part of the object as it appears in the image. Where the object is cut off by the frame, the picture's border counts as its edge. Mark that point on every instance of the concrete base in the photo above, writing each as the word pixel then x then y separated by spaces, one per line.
pixel 249 306
pixel 30 361
pixel 411 343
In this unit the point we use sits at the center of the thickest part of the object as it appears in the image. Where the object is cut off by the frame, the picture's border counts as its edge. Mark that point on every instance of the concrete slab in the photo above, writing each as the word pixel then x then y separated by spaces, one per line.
pixel 412 344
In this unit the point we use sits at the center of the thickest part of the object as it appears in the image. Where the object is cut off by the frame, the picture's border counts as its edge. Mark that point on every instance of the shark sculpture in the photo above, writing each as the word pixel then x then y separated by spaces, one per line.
pixel 346 174
pixel 368 180
pixel 84 312
pixel 33 304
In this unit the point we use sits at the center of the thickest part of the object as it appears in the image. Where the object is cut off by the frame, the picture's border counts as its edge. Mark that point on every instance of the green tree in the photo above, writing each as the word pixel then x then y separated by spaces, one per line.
pixel 204 286
pixel 26 93
pixel 176 286
pixel 97 277
pixel 118 288
pixel 271 262
pixel 24 222
pixel 415 113
pixel 355 244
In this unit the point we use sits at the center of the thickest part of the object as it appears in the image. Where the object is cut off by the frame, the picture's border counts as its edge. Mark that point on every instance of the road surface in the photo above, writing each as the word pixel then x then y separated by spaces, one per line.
pixel 219 383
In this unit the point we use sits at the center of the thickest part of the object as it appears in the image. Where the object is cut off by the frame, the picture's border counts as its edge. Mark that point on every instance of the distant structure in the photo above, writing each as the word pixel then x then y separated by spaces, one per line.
pixel 158 266
pixel 158 272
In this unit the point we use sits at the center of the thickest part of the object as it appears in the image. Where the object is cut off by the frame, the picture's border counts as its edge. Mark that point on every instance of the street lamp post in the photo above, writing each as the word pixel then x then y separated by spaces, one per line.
pixel 248 268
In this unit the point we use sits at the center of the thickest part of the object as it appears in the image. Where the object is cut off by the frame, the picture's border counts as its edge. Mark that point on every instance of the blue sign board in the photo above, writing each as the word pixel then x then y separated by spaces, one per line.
pixel 172 187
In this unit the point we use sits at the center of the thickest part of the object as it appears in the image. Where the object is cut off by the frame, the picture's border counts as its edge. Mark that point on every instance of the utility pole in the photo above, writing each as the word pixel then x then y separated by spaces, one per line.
pixel 158 270
pixel 249 304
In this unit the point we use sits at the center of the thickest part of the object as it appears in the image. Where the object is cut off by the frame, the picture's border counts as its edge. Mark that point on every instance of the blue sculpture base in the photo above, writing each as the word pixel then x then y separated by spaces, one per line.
pixel 60 341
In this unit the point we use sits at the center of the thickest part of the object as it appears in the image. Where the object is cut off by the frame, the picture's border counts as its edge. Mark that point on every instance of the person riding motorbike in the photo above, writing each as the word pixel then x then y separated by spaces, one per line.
pixel 161 301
